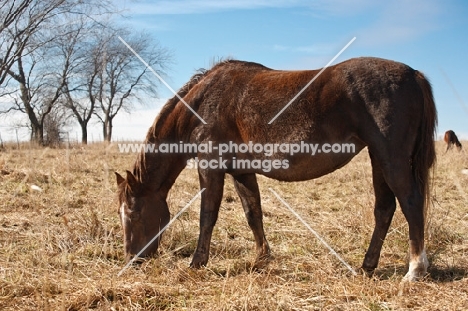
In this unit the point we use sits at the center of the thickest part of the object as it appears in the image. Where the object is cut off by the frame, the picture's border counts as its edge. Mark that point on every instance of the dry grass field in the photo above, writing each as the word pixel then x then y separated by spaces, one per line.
pixel 61 248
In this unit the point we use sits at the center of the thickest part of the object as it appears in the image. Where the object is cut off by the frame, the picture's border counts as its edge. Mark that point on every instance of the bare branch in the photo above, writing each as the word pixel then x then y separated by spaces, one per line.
pixel 32 36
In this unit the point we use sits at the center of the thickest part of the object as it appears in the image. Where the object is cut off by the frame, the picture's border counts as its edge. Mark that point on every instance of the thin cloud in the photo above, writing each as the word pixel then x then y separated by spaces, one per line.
pixel 318 49
pixel 400 21
pixel 320 7
pixel 316 8
pixel 339 7
pixel 207 6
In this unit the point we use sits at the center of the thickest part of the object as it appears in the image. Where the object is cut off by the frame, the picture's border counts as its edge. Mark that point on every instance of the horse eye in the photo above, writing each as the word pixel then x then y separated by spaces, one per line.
pixel 134 215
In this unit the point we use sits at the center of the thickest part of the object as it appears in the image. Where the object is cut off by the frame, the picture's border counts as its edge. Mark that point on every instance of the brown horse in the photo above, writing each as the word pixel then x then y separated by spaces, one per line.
pixel 451 139
pixel 384 105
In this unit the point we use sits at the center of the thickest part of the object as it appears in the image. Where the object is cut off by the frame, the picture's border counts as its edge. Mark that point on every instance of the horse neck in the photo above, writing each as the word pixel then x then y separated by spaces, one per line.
pixel 158 171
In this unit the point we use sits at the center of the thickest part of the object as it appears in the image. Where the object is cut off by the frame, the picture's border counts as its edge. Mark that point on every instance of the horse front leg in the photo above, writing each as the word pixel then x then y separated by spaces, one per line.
pixel 213 182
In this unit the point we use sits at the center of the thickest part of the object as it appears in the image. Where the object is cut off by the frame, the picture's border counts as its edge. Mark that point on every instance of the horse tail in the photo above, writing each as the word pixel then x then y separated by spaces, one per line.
pixel 424 155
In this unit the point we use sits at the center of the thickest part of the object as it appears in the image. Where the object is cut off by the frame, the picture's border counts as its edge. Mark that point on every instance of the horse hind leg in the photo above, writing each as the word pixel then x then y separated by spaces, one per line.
pixel 384 209
pixel 401 180
pixel 247 189
pixel 412 206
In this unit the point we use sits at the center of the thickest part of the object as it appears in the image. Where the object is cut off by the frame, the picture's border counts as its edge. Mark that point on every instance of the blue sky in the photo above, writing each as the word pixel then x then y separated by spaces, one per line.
pixel 428 35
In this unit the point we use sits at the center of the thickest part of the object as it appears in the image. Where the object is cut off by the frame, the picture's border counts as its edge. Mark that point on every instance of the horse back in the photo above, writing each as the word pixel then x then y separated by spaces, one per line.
pixel 347 100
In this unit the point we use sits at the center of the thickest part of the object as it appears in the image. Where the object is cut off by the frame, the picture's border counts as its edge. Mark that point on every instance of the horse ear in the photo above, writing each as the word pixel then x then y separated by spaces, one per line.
pixel 131 180
pixel 120 179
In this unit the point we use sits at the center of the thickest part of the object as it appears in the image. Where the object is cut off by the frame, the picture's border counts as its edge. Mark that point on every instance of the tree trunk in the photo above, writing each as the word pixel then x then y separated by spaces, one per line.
pixel 37 133
pixel 84 133
pixel 104 129
pixel 109 130
pixel 37 128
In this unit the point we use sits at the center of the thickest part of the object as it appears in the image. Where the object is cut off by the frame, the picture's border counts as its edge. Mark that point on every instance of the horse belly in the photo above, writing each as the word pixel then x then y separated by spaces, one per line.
pixel 306 167
pixel 302 165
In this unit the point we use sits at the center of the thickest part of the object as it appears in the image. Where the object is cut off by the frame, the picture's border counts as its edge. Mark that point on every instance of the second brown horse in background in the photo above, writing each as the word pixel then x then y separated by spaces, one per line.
pixel 451 139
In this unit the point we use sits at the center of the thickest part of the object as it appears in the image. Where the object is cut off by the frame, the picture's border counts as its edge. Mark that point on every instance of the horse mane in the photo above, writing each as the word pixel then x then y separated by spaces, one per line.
pixel 168 108
pixel 171 103
pixel 157 128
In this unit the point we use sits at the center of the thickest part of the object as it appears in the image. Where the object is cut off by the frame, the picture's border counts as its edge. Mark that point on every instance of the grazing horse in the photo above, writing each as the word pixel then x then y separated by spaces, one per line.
pixel 451 139
pixel 384 105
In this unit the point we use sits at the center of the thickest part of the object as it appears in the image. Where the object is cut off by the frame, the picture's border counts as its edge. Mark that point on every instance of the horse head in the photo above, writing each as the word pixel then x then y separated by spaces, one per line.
pixel 143 213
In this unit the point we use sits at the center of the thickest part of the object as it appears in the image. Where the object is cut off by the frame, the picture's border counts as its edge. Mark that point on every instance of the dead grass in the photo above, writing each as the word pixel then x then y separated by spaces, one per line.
pixel 61 248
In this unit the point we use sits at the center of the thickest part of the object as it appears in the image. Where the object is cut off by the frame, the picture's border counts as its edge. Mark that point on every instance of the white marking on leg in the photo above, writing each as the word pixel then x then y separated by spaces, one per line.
pixel 417 267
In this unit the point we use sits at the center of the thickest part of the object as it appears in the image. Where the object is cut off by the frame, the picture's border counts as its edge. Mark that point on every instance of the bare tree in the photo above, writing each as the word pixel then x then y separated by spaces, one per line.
pixel 80 94
pixel 10 11
pixel 20 21
pixel 123 80
pixel 39 90
pixel 106 77
pixel 33 73
pixel 55 124
pixel 49 55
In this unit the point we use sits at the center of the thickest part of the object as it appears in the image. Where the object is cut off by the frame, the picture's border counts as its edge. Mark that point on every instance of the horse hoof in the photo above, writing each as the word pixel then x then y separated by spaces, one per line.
pixel 261 263
pixel 198 261
pixel 367 271
pixel 259 266
pixel 413 276
pixel 197 265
